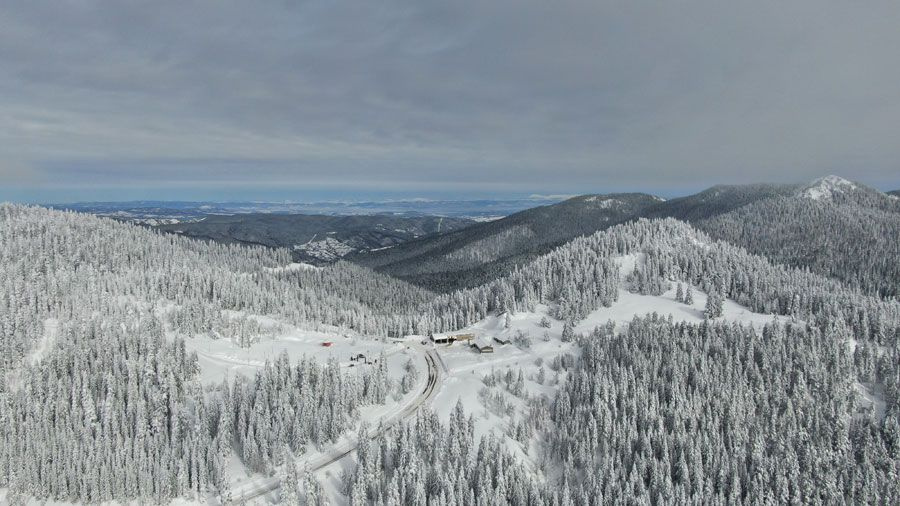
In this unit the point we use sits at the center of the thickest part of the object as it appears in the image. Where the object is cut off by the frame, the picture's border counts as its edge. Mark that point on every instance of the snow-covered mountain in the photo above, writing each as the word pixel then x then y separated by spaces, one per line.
pixel 833 226
pixel 481 252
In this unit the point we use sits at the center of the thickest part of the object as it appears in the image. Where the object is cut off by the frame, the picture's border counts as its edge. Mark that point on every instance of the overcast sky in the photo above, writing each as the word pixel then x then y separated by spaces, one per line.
pixel 297 99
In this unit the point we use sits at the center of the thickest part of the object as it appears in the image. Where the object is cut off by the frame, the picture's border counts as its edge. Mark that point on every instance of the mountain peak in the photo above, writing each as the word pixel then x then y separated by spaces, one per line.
pixel 828 186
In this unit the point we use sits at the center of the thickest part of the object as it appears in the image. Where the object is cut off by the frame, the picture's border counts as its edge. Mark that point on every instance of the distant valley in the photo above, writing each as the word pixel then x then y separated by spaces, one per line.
pixel 315 239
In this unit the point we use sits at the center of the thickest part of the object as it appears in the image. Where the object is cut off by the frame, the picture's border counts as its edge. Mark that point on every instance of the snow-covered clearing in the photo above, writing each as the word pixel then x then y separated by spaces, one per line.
pixel 51 330
pixel 467 366
pixel 872 397
pixel 222 358
pixel 630 305
pixel 603 203
pixel 293 266
pixel 40 350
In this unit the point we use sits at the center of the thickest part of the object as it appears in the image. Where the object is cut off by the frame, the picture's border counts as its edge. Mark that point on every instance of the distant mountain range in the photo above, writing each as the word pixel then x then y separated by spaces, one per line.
pixel 151 212
pixel 315 239
pixel 832 226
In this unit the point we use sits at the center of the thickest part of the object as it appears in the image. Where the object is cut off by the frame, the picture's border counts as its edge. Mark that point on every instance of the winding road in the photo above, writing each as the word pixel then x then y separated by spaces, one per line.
pixel 342 449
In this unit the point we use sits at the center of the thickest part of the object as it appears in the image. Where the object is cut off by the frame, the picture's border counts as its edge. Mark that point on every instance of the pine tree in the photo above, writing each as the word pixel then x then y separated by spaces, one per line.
pixel 290 483
pixel 568 334
pixel 714 305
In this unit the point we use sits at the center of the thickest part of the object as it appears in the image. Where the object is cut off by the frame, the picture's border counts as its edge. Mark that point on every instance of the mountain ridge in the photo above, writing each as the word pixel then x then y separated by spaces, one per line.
pixel 845 215
pixel 480 252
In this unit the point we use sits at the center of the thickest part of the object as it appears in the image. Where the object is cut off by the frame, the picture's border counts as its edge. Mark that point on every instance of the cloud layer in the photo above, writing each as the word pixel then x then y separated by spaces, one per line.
pixel 514 96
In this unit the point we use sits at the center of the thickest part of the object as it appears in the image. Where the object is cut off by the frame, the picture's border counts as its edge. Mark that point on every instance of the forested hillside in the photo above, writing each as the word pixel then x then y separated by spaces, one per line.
pixel 485 251
pixel 659 412
pixel 668 413
pixel 99 399
pixel 833 227
pixel 717 200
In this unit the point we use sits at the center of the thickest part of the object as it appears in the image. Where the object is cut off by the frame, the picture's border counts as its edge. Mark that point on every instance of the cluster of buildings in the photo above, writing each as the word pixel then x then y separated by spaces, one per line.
pixel 481 344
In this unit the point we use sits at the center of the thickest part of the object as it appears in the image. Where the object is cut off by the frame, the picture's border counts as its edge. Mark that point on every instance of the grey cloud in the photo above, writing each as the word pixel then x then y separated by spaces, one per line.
pixel 556 96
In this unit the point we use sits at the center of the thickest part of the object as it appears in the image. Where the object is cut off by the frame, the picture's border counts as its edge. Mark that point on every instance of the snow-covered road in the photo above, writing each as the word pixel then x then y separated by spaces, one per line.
pixel 348 446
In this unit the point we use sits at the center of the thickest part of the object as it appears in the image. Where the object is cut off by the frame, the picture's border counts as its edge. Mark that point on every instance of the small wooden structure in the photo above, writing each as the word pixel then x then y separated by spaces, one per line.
pixel 502 340
pixel 449 339
pixel 441 339
pixel 327 344
pixel 482 346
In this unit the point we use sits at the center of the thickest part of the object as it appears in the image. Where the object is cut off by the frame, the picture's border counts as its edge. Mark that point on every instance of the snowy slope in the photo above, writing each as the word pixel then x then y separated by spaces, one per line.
pixel 827 187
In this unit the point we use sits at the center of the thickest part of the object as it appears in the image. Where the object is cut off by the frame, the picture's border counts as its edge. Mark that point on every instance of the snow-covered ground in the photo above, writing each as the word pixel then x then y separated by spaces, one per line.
pixel 51 330
pixel 293 266
pixel 221 358
pixel 630 305
pixel 827 187
pixel 872 399
pixel 467 366
pixel 327 462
